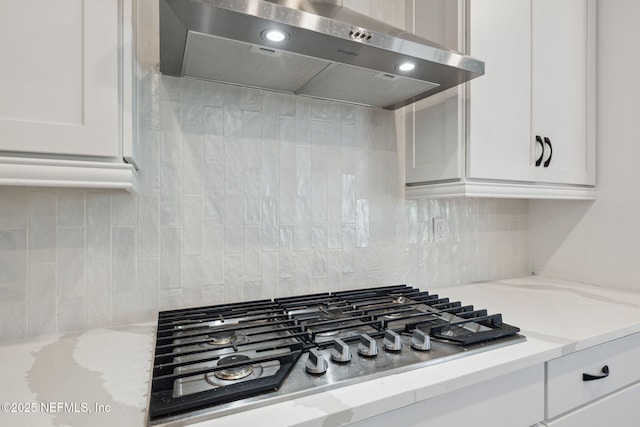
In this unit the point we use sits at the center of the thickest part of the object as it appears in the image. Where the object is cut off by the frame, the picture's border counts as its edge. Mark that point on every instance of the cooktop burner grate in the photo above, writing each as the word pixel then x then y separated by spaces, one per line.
pixel 213 360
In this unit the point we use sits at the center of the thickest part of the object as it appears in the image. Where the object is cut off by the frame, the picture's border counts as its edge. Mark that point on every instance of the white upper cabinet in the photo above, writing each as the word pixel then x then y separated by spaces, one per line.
pixel 530 125
pixel 65 110
pixel 434 126
pixel 563 96
pixel 500 101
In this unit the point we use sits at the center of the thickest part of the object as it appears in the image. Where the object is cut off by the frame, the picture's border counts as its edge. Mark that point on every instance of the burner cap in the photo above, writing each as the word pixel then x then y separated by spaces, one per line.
pixel 222 337
pixel 326 326
pixel 326 332
pixel 236 372
pixel 392 315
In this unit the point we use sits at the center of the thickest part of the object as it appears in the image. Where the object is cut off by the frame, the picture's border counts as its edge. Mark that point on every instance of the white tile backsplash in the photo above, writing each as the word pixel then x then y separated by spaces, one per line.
pixel 193 226
pixel 233 278
pixel 13 265
pixel 270 274
pixel 270 225
pixel 170 258
pixel 72 314
pixel 243 194
pixel 213 176
pixel 43 299
pixel 214 253
pixel 123 260
pixel 125 307
pixel 287 254
pixel 14 209
pixel 252 254
pixel 98 224
pixel 71 207
pixel 193 164
pixel 13 319
pixel 71 262
pixel 99 293
pixel 124 210
pixel 171 194
pixel 362 223
pixel 148 228
pixel 43 215
pixel 193 280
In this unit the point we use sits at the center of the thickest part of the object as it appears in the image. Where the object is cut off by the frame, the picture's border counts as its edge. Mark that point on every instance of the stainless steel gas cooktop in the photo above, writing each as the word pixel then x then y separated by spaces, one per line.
pixel 216 360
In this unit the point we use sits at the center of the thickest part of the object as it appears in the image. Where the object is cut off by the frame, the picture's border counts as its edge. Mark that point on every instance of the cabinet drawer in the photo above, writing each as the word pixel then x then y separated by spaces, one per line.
pixel 619 409
pixel 514 399
pixel 566 388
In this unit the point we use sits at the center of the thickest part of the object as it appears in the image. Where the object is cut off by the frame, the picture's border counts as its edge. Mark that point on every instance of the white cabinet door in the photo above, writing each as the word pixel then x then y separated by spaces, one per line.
pixel 500 101
pixel 560 95
pixel 515 399
pixel 619 409
pixel 59 80
pixel 566 388
pixel 434 127
pixel 536 84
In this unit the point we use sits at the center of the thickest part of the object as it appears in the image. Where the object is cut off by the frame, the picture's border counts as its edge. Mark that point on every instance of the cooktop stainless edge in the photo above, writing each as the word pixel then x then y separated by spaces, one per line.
pixel 297 383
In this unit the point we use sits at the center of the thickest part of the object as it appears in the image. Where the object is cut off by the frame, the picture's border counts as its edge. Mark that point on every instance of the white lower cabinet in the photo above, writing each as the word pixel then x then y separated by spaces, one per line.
pixel 619 409
pixel 512 400
pixel 595 387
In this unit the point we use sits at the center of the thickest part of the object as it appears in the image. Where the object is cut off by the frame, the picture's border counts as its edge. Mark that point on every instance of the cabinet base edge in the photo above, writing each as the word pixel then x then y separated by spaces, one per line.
pixel 500 190
pixel 66 173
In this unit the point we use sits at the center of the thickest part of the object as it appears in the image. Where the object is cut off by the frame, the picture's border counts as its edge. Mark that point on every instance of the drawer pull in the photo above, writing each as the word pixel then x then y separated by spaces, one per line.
pixel 548 141
pixel 539 141
pixel 605 374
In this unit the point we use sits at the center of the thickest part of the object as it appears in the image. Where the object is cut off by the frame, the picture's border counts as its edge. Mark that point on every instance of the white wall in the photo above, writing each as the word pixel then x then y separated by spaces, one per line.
pixel 599 242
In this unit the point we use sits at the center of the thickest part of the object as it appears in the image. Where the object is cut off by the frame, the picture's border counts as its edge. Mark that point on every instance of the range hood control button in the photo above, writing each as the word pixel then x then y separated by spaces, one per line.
pixel 392 341
pixel 341 352
pixel 316 364
pixel 420 340
pixel 367 346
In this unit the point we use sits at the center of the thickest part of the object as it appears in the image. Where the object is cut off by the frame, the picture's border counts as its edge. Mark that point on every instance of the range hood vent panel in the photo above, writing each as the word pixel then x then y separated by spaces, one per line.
pixel 230 61
pixel 361 86
pixel 331 52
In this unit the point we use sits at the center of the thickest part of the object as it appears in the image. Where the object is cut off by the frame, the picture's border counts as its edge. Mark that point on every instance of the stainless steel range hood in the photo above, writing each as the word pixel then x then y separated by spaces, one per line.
pixel 325 51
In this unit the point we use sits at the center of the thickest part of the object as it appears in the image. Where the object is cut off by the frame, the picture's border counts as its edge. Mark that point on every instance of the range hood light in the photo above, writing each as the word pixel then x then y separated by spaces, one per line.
pixel 275 35
pixel 407 66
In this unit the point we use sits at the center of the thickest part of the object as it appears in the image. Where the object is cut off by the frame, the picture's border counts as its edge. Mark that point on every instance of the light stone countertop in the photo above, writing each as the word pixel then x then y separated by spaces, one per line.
pixel 94 378
pixel 101 377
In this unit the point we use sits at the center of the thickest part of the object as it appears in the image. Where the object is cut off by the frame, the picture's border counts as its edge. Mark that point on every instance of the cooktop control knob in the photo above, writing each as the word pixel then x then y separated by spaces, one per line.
pixel 341 352
pixel 316 364
pixel 367 346
pixel 392 341
pixel 420 340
